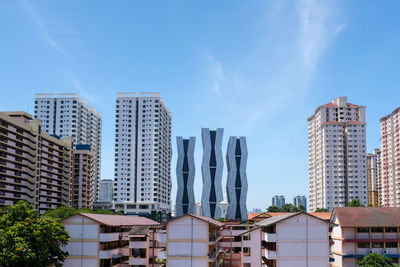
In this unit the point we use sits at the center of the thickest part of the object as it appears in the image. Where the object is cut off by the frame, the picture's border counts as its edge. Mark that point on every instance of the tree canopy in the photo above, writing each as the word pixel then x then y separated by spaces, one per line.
pixel 321 210
pixel 65 212
pixel 355 203
pixel 26 239
pixel 286 208
pixel 376 260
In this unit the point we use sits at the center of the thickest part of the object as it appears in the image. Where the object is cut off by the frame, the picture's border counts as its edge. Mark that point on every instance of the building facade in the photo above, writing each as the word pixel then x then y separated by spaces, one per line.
pixel 374 178
pixel 211 168
pixel 34 166
pixel 185 173
pixel 83 182
pixel 300 201
pixel 236 185
pixel 294 239
pixel 99 240
pixel 106 190
pixel 142 154
pixel 390 145
pixel 337 155
pixel 69 115
pixel 359 231
pixel 278 201
pixel 193 241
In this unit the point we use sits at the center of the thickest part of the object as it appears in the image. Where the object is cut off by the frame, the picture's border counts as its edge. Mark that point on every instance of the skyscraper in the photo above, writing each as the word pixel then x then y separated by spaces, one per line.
pixel 211 168
pixel 69 115
pixel 390 146
pixel 337 157
pixel 142 154
pixel 236 185
pixel 278 201
pixel 83 181
pixel 374 178
pixel 300 201
pixel 185 173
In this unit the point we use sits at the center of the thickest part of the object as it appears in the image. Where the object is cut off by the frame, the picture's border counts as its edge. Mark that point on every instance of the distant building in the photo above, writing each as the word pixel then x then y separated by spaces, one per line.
pixel 185 173
pixel 83 182
pixel 236 185
pixel 337 155
pixel 106 190
pixel 390 145
pixel 278 201
pixel 34 166
pixel 69 115
pixel 197 208
pixel 374 178
pixel 256 210
pixel 300 200
pixel 223 209
pixel 211 168
pixel 359 231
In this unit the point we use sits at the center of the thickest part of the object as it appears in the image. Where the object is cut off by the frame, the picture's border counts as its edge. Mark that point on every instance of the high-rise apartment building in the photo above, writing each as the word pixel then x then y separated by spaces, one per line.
pixel 374 178
pixel 83 182
pixel 390 146
pixel 278 201
pixel 69 115
pixel 185 173
pixel 34 166
pixel 106 190
pixel 142 154
pixel 337 157
pixel 211 168
pixel 236 185
pixel 300 201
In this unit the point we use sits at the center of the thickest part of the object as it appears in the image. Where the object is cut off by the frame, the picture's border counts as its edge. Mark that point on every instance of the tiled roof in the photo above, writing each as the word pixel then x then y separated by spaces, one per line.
pixel 119 220
pixel 330 105
pixel 139 230
pixel 252 215
pixel 356 122
pixel 367 216
pixel 322 215
pixel 202 218
pixel 278 213
pixel 275 219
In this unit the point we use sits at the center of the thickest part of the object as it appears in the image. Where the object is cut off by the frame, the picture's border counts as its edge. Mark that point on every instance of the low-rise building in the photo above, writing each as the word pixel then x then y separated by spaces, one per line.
pixel 295 239
pixel 100 240
pixel 360 231
pixel 192 240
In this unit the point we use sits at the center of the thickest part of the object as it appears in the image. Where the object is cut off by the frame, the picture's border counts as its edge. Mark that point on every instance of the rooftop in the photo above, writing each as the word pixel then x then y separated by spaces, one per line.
pixel 367 216
pixel 119 220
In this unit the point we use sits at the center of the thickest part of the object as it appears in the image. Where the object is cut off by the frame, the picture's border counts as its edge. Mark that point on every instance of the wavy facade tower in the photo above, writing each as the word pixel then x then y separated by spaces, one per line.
pixel 185 172
pixel 236 185
pixel 211 168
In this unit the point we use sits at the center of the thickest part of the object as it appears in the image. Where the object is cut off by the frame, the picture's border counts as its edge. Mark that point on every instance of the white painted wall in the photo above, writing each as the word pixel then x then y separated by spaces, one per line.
pixel 79 262
pixel 182 229
pixel 186 249
pixel 255 248
pixel 186 263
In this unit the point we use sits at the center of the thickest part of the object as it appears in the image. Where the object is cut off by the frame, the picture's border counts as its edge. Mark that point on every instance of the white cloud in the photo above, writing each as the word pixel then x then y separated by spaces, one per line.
pixel 37 20
pixel 216 72
pixel 82 92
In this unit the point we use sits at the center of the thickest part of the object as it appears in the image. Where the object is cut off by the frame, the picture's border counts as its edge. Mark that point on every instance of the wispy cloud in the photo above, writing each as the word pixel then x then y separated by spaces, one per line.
pixel 83 92
pixel 38 21
pixel 289 62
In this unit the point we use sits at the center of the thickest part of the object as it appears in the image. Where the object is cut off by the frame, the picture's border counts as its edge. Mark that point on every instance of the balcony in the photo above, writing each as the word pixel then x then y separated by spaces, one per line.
pixel 108 254
pixel 270 237
pixel 108 237
pixel 269 254
pixel 137 244
pixel 162 254
pixel 137 261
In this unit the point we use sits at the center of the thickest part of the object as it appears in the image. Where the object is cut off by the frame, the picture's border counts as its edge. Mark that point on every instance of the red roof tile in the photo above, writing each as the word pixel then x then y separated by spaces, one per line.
pixel 252 215
pixel 118 220
pixel 356 122
pixel 330 105
pixel 367 216
pixel 322 215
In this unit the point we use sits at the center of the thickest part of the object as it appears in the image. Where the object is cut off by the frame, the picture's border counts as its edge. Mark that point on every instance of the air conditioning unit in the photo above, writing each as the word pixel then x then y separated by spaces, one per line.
pixel 385 251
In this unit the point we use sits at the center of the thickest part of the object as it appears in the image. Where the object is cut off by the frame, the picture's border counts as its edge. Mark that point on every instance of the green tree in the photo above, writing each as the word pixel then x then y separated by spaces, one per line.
pixel 376 260
pixel 290 208
pixel 65 212
pixel 26 239
pixel 355 203
pixel 302 208
pixel 274 208
pixel 321 210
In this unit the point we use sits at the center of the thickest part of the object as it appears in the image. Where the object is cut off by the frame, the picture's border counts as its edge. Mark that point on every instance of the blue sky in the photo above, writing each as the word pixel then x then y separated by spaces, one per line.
pixel 255 68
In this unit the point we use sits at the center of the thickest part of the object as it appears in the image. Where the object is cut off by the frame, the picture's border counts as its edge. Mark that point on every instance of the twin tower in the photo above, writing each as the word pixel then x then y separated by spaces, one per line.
pixel 211 169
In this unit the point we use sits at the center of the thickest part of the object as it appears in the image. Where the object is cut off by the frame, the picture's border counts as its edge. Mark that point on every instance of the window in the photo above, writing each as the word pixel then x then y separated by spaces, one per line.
pixel 377 230
pixel 391 230
pixel 363 245
pixel 391 244
pixel 377 245
pixel 246 251
pixel 362 230
pixel 246 237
